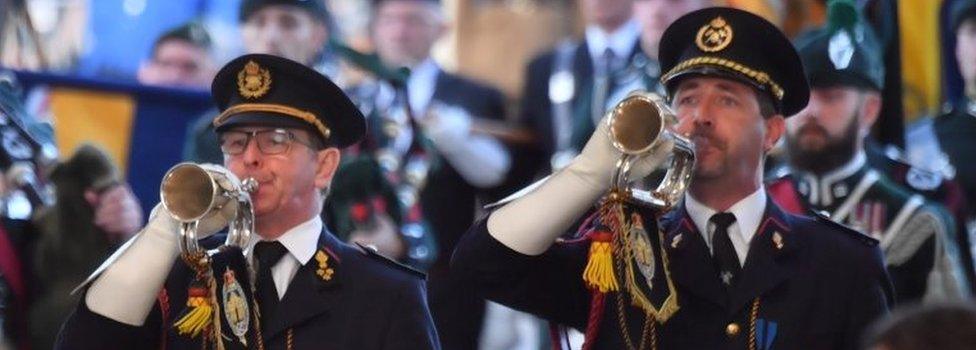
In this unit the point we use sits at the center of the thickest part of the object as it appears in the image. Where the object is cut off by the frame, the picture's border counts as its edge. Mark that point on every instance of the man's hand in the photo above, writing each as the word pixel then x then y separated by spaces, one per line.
pixel 384 236
pixel 117 212
pixel 447 126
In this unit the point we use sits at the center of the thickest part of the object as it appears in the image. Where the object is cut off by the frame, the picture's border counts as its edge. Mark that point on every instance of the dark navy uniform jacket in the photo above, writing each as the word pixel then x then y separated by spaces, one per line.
pixel 369 303
pixel 819 288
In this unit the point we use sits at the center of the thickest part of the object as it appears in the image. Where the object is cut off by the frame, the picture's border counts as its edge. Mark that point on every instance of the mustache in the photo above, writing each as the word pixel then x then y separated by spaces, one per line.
pixel 707 137
pixel 811 127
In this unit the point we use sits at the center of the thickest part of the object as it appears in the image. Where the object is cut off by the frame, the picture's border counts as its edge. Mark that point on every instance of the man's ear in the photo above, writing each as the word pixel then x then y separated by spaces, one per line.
pixel 870 110
pixel 321 36
pixel 328 163
pixel 775 126
pixel 146 73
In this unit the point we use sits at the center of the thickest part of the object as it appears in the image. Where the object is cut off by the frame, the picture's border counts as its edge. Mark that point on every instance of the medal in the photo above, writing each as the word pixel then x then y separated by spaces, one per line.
pixel 236 310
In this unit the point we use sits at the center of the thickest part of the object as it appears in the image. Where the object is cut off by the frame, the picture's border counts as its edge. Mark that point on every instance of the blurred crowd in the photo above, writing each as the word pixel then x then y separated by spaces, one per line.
pixel 446 138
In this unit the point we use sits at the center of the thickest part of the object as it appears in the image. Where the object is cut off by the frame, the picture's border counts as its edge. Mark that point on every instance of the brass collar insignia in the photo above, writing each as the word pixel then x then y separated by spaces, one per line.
pixel 714 36
pixel 676 241
pixel 778 240
pixel 325 271
pixel 253 81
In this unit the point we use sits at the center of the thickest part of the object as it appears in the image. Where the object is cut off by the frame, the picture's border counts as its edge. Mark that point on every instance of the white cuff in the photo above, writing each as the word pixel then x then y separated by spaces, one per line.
pixel 127 289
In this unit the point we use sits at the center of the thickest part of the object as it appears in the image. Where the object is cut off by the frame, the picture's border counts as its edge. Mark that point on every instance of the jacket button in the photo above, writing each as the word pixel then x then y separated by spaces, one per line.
pixel 732 330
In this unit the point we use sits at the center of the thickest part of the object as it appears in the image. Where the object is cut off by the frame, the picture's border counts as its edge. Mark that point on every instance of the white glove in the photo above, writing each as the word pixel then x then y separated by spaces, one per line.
pixel 480 159
pixel 531 224
pixel 126 285
pixel 447 126
pixel 596 163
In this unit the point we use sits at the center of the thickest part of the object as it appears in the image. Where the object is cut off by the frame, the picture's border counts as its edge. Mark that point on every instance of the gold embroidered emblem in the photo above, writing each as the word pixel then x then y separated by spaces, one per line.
pixel 778 240
pixel 714 36
pixel 253 81
pixel 324 271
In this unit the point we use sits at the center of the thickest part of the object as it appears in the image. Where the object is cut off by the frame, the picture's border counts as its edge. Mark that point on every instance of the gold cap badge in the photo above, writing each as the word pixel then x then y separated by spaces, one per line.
pixel 714 36
pixel 253 81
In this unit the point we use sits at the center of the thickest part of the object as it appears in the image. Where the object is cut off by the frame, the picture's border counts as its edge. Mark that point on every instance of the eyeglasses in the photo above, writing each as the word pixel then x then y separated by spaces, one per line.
pixel 273 141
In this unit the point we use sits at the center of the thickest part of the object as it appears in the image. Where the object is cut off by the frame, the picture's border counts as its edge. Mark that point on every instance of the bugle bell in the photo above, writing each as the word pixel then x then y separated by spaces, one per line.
pixel 638 125
pixel 192 192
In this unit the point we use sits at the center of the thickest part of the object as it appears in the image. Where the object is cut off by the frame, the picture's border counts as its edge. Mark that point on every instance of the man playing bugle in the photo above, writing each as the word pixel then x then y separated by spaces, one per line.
pixel 726 268
pixel 282 125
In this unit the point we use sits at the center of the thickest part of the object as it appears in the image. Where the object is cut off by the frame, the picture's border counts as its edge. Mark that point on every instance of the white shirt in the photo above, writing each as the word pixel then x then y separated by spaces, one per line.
pixel 621 41
pixel 301 241
pixel 748 212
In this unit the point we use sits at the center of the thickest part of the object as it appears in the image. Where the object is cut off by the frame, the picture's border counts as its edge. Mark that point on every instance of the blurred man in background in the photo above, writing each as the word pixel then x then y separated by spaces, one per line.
pixel 954 130
pixel 423 132
pixel 826 147
pixel 181 57
pixel 567 89
pixel 654 16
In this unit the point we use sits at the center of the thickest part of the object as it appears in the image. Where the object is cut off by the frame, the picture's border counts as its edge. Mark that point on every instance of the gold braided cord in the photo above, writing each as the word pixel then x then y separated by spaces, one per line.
pixel 753 315
pixel 652 332
pixel 760 77
pixel 307 117
pixel 290 343
pixel 290 338
pixel 217 332
pixel 648 330
pixel 257 323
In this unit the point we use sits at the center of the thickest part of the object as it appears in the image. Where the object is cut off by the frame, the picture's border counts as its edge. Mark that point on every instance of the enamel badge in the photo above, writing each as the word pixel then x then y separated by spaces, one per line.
pixel 641 250
pixel 236 309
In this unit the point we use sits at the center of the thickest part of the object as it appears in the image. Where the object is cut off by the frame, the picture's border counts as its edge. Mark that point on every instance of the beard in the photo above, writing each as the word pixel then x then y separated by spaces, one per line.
pixel 833 153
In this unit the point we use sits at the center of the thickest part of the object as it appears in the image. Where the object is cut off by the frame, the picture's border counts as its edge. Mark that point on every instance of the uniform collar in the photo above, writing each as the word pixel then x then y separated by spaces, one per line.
pixel 766 265
pixel 301 241
pixel 823 191
pixel 621 41
pixel 748 213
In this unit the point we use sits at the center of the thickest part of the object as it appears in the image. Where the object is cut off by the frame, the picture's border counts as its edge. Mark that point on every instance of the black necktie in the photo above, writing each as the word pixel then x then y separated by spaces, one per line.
pixel 267 255
pixel 723 252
